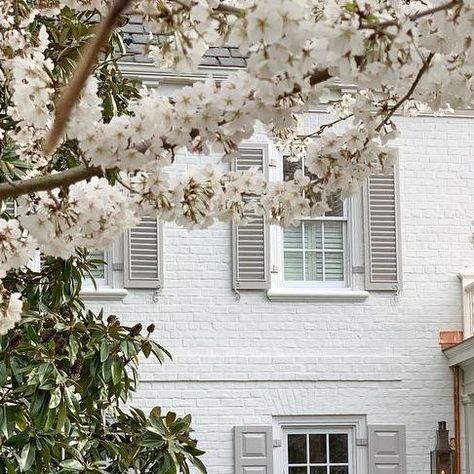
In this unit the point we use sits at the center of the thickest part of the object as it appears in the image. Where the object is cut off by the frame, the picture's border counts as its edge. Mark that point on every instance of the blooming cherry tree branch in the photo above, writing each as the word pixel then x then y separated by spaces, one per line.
pixel 83 156
pixel 71 93
pixel 63 179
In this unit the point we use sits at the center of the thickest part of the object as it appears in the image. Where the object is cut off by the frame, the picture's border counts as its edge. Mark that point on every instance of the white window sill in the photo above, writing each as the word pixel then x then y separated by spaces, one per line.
pixel 103 294
pixel 316 294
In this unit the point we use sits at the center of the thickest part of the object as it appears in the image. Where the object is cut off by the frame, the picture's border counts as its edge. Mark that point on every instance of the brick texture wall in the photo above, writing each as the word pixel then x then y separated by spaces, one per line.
pixel 244 361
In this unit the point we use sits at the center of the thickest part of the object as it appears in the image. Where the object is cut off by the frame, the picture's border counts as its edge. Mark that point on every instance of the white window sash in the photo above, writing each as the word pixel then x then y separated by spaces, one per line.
pixel 278 250
pixel 323 251
pixel 106 281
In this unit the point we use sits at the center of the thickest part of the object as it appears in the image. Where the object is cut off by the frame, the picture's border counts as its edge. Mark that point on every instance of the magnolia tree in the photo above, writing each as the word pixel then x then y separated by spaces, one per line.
pixel 82 171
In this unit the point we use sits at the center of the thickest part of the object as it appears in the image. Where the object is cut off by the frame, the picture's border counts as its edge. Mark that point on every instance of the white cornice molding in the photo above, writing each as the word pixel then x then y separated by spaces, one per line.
pixel 151 76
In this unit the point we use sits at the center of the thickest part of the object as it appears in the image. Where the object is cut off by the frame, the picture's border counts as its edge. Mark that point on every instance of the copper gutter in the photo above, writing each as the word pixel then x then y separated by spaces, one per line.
pixel 457 418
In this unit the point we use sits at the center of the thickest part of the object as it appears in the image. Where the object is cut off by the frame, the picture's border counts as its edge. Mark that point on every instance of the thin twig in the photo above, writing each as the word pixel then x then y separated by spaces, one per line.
pixel 418 77
pixel 82 72
pixel 126 186
pixel 14 189
pixel 224 8
pixel 221 8
pixel 327 125
pixel 414 17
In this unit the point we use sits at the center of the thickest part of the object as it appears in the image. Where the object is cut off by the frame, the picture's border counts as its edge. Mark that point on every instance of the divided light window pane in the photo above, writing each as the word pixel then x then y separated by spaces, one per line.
pixel 318 453
pixel 99 272
pixel 314 250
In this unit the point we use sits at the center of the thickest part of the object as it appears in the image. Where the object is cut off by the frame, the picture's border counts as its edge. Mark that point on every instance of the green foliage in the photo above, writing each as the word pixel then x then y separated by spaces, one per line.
pixel 65 374
pixel 68 33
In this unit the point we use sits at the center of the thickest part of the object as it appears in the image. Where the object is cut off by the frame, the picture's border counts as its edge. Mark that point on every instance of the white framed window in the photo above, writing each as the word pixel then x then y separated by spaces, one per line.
pixel 319 451
pixel 108 281
pixel 321 444
pixel 134 261
pixel 102 274
pixel 315 251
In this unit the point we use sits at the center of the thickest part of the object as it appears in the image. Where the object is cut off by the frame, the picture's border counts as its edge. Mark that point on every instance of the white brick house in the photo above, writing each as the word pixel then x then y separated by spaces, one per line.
pixel 313 350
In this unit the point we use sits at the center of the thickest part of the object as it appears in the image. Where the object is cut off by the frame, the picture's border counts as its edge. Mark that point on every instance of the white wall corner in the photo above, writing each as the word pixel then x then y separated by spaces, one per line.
pixel 467 298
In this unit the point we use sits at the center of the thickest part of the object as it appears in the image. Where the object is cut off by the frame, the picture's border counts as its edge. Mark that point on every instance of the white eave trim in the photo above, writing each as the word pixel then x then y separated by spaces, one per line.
pixel 103 294
pixel 152 76
pixel 461 353
pixel 305 295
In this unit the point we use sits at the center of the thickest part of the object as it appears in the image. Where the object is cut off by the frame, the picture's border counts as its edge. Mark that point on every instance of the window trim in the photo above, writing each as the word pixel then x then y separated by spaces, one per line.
pixel 278 242
pixel 281 292
pixel 357 424
pixel 111 287
pixel 105 282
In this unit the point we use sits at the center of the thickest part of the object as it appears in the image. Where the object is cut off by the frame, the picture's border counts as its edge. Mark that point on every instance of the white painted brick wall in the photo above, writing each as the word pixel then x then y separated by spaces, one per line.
pixel 242 362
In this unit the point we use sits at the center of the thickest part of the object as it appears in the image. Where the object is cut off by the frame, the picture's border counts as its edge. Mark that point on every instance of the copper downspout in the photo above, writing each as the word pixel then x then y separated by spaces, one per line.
pixel 457 417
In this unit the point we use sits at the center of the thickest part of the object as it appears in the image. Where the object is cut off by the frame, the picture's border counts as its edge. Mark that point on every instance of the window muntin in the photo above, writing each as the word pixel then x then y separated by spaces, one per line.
pixel 319 451
pixel 100 272
pixel 314 251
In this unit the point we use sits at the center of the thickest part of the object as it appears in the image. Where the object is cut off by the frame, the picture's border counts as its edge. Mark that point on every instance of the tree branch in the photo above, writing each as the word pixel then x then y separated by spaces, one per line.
pixel 319 76
pixel 223 8
pixel 416 16
pixel 410 91
pixel 73 89
pixel 14 189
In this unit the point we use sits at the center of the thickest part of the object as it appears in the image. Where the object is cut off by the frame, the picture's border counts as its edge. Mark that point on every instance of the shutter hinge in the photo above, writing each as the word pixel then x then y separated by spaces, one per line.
pixel 272 163
pixel 362 442
pixel 275 269
pixel 156 294
pixel 357 270
pixel 117 267
pixel 277 443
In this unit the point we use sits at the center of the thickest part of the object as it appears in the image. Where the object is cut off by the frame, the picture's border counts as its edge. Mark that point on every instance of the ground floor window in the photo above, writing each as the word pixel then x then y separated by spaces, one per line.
pixel 319 451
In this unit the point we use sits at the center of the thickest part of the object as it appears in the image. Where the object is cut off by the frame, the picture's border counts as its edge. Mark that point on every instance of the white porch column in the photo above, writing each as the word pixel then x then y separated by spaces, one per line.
pixel 469 432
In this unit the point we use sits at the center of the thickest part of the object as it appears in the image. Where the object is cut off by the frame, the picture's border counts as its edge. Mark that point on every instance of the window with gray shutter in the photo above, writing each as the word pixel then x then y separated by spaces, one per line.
pixel 143 255
pixel 253 450
pixel 382 235
pixel 387 449
pixel 250 240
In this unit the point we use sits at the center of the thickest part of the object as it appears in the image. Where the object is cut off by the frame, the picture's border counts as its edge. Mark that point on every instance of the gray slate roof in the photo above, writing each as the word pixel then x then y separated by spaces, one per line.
pixel 136 36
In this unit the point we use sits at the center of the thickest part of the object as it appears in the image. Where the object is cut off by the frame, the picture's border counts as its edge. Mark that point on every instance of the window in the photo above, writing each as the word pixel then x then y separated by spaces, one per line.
pixel 314 251
pixel 134 261
pixel 100 272
pixel 318 451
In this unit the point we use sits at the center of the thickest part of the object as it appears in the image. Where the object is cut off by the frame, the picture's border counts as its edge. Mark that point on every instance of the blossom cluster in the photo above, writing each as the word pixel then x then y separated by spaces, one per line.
pixel 16 246
pixel 10 311
pixel 93 214
pixel 399 59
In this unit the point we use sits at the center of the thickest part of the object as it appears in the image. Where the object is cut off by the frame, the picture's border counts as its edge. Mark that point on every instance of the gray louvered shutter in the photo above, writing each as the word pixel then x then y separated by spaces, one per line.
pixel 387 449
pixel 253 450
pixel 143 255
pixel 382 233
pixel 250 241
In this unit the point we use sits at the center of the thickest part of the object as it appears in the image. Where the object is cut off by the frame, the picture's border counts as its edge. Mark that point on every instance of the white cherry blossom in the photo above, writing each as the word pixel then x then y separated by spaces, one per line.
pixel 397 58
